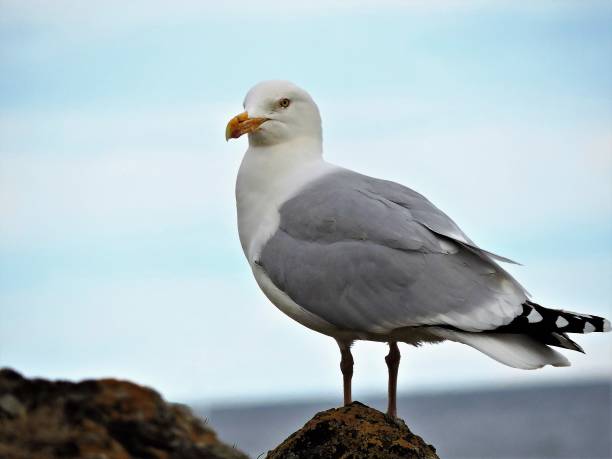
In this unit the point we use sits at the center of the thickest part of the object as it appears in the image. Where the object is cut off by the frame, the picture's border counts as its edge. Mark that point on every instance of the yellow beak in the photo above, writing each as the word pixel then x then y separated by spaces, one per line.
pixel 242 124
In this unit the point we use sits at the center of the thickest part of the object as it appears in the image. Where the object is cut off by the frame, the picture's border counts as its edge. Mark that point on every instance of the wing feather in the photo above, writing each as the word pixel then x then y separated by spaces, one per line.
pixel 351 252
pixel 429 215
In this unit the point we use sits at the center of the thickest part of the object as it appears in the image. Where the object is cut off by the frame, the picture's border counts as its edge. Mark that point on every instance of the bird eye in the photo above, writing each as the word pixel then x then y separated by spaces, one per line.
pixel 284 103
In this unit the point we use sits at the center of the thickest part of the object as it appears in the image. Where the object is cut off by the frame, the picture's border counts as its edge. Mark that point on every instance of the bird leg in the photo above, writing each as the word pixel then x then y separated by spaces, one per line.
pixel 393 360
pixel 346 366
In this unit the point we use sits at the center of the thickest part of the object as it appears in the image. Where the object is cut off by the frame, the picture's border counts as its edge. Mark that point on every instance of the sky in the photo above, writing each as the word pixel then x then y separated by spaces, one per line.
pixel 119 253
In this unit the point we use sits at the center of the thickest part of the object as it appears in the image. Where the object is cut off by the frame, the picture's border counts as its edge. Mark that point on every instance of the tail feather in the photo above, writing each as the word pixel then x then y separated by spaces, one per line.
pixel 524 342
pixel 514 350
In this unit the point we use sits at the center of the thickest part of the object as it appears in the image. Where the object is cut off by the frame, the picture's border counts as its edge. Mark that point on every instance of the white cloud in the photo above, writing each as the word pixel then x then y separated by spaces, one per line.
pixel 192 126
pixel 173 167
pixel 115 173
pixel 56 198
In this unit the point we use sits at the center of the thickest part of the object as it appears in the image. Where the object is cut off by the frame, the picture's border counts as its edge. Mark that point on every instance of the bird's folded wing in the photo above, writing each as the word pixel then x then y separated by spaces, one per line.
pixel 350 251
pixel 427 214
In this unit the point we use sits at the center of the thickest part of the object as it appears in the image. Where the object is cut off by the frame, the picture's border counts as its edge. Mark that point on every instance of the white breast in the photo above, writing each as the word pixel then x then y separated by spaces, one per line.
pixel 267 179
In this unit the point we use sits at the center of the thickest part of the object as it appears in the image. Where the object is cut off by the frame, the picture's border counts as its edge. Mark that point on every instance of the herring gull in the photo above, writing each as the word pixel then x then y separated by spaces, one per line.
pixel 360 258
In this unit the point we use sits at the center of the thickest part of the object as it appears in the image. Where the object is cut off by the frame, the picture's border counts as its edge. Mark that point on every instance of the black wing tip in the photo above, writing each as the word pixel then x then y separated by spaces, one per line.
pixel 562 340
pixel 540 317
pixel 550 326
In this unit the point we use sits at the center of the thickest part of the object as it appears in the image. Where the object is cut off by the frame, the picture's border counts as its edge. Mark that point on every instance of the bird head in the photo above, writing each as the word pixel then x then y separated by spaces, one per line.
pixel 276 112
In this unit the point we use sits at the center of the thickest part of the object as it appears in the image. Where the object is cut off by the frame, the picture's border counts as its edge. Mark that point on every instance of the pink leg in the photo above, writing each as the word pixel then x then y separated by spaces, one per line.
pixel 346 366
pixel 393 360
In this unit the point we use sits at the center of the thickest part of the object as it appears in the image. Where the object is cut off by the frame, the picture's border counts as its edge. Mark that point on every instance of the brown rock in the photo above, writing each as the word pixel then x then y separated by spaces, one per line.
pixel 99 419
pixel 354 431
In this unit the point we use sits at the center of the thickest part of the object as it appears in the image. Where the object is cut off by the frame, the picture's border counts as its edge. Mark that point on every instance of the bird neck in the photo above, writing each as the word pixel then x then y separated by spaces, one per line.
pixel 265 167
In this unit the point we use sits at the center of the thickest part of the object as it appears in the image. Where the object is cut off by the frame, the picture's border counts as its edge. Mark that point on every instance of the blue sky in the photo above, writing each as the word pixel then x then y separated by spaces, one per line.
pixel 118 247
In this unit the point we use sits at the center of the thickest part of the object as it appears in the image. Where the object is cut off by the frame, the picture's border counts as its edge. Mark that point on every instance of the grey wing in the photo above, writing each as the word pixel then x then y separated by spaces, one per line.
pixel 361 260
pixel 429 215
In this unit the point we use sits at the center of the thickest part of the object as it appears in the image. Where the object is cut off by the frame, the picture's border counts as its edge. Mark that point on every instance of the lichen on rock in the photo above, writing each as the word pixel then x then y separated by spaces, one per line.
pixel 354 431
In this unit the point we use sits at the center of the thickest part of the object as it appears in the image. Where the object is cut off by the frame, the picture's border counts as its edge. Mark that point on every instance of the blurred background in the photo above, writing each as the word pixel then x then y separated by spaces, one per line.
pixel 119 253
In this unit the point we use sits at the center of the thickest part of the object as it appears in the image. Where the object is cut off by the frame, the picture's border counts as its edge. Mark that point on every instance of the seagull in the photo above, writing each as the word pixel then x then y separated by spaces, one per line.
pixel 360 258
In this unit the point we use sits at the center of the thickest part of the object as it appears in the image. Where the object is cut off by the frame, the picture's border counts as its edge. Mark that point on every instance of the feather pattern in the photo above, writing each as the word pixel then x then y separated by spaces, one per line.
pixel 360 253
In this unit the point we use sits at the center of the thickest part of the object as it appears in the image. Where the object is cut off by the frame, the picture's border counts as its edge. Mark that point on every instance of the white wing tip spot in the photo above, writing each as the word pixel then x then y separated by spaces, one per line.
pixel 606 325
pixel 588 327
pixel 561 322
pixel 534 316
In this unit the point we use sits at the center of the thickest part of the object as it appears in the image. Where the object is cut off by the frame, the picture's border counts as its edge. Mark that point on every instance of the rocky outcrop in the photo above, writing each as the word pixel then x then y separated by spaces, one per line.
pixel 112 419
pixel 99 419
pixel 354 431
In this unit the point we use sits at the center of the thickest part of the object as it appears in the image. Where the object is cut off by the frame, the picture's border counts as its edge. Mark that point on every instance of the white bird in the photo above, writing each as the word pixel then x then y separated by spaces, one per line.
pixel 359 258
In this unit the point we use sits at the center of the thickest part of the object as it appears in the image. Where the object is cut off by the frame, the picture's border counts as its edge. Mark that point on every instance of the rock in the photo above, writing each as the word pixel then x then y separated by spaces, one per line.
pixel 354 431
pixel 99 419
pixel 11 407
